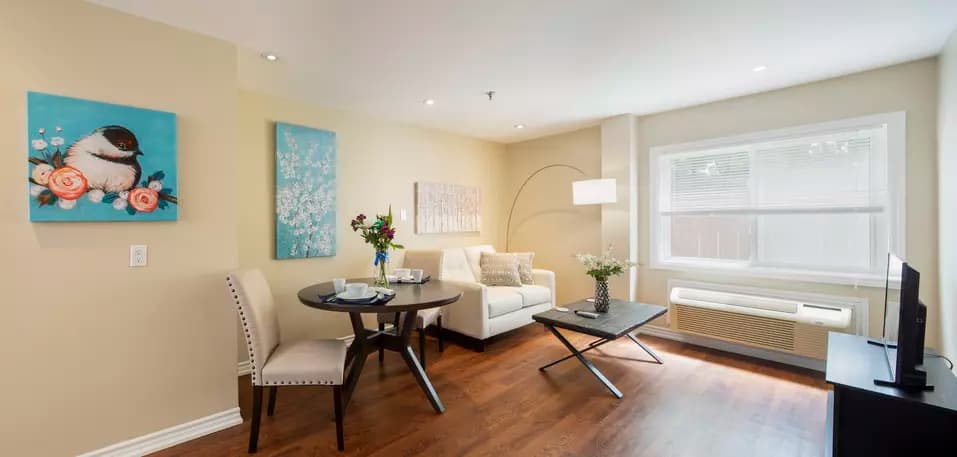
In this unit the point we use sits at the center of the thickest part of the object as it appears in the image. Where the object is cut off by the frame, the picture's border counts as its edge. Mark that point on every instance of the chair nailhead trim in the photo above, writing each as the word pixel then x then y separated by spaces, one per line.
pixel 311 383
pixel 249 341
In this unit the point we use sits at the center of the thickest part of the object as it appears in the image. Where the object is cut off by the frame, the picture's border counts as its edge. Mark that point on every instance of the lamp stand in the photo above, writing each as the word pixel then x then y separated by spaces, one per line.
pixel 508 225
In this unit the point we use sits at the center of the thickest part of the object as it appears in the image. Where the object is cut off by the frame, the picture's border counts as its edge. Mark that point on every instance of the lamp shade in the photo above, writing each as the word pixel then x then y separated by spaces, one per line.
pixel 594 191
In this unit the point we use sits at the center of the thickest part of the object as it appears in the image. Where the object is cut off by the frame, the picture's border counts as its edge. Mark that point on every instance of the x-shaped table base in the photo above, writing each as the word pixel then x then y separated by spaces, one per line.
pixel 595 344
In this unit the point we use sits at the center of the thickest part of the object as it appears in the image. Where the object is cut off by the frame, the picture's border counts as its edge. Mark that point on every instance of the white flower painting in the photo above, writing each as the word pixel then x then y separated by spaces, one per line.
pixel 305 192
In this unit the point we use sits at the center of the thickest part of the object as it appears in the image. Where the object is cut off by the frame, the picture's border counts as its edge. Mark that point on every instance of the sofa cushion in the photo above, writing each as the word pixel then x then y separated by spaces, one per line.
pixel 455 266
pixel 534 295
pixel 500 270
pixel 474 256
pixel 503 300
pixel 525 266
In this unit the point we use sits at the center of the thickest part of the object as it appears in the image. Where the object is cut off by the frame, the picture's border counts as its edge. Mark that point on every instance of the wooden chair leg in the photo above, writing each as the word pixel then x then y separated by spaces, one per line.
pixel 254 426
pixel 337 399
pixel 381 350
pixel 441 341
pixel 271 408
pixel 422 347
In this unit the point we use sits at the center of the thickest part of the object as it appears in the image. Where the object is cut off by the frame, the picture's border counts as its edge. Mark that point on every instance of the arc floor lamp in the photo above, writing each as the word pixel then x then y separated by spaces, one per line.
pixel 584 192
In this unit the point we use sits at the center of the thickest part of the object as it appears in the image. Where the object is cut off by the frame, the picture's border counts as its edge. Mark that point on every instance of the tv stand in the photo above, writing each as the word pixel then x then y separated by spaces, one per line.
pixel 865 419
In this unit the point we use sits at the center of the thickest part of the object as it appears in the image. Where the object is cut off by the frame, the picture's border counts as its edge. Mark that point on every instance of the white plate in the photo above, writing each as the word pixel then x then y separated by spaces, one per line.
pixel 370 293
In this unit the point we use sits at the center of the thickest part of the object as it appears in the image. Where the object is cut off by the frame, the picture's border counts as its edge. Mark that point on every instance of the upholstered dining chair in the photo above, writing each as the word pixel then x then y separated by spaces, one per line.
pixel 274 363
pixel 430 262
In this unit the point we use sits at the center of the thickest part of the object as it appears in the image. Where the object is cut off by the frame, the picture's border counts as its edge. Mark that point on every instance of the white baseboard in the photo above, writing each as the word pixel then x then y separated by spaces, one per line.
pixel 169 437
pixel 766 354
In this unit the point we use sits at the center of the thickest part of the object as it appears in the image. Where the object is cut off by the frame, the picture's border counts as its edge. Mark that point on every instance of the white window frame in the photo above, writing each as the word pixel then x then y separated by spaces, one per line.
pixel 896 124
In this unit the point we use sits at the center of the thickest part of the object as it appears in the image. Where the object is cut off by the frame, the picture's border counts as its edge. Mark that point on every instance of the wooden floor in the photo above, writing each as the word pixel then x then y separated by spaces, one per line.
pixel 699 403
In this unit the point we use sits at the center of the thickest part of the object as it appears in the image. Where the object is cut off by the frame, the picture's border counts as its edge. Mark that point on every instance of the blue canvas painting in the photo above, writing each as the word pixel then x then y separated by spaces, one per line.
pixel 305 192
pixel 92 161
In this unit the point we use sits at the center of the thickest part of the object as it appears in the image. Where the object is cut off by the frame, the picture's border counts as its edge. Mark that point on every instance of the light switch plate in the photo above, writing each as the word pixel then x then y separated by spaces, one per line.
pixel 138 255
pixel 402 215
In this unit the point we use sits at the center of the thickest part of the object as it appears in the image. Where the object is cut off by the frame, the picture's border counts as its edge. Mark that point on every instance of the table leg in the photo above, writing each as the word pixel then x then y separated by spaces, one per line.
pixel 575 352
pixel 646 348
pixel 592 345
pixel 414 366
pixel 358 351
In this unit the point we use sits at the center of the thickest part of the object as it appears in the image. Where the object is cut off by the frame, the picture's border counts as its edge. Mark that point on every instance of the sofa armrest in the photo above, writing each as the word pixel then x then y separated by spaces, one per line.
pixel 469 315
pixel 545 278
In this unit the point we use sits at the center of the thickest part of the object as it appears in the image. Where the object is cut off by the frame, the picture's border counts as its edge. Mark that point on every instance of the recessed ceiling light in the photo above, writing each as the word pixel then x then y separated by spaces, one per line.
pixel 519 126
pixel 429 101
pixel 759 68
pixel 270 56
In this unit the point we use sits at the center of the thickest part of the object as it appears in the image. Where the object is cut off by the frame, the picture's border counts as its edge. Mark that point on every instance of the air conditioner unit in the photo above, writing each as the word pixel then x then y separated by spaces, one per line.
pixel 772 323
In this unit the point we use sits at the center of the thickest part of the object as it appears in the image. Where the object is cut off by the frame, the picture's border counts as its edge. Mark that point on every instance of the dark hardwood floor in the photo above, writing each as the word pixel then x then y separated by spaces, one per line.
pixel 699 403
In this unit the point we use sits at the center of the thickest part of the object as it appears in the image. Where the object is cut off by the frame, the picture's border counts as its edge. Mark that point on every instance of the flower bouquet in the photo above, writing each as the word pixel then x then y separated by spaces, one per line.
pixel 601 268
pixel 380 234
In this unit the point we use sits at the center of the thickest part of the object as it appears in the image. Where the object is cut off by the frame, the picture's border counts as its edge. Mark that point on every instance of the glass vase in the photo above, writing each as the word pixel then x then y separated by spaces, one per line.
pixel 601 296
pixel 381 269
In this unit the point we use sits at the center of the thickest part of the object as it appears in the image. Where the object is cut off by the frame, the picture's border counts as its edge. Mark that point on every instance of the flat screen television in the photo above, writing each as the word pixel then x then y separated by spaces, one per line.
pixel 904 323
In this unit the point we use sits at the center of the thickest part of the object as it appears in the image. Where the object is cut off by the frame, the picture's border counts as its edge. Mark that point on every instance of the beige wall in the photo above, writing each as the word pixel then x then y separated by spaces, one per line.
pixel 545 221
pixel 96 352
pixel 947 157
pixel 910 87
pixel 378 164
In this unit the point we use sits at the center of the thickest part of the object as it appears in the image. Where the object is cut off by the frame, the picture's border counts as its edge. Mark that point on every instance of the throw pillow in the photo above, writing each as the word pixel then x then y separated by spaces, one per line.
pixel 500 270
pixel 525 266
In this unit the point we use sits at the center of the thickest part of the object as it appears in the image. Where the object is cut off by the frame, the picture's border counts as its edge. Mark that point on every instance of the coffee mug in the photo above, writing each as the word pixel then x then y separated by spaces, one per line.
pixel 357 289
pixel 417 275
pixel 339 284
pixel 402 273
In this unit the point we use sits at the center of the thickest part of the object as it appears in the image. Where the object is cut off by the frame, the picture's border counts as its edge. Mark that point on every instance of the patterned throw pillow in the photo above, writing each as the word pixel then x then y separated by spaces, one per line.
pixel 500 270
pixel 525 266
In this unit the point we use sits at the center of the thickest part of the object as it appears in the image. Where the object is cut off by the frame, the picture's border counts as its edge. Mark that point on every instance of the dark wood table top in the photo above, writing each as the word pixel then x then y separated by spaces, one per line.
pixel 408 297
pixel 853 363
pixel 622 317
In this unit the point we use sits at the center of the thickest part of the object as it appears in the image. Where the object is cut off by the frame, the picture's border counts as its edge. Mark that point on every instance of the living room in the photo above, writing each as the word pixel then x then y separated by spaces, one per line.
pixel 491 148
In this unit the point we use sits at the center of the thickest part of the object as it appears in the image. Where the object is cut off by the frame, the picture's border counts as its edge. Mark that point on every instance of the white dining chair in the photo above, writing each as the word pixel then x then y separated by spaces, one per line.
pixel 275 363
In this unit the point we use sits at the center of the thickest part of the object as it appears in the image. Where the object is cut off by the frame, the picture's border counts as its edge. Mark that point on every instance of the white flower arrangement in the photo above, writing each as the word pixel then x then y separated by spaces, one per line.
pixel 604 266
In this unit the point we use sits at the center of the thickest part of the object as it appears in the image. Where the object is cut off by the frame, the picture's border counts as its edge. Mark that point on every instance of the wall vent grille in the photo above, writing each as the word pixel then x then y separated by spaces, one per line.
pixel 758 331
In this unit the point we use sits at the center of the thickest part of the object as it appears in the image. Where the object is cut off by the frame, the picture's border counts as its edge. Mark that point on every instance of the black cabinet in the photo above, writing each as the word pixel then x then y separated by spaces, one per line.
pixel 870 420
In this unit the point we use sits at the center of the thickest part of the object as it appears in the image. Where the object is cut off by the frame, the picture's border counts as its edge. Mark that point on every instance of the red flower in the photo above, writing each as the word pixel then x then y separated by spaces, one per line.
pixel 144 199
pixel 67 183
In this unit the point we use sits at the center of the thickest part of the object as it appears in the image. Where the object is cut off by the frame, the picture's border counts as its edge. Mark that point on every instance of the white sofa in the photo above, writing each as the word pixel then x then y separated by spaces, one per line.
pixel 484 311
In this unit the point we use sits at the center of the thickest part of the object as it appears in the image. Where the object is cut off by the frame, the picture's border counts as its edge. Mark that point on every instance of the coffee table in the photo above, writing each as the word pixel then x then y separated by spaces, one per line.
pixel 622 318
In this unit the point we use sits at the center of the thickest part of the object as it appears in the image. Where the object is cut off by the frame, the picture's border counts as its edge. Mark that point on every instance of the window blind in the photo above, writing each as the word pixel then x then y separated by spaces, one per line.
pixel 835 172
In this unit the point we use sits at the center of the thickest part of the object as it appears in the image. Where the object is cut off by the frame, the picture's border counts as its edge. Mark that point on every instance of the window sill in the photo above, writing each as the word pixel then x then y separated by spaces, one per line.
pixel 848 279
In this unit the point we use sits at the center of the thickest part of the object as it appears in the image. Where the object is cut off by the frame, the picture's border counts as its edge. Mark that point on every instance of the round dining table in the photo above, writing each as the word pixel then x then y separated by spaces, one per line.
pixel 407 301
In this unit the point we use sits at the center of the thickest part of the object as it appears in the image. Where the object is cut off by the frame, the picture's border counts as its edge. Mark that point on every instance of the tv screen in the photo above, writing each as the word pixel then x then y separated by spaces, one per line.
pixel 892 302
pixel 905 318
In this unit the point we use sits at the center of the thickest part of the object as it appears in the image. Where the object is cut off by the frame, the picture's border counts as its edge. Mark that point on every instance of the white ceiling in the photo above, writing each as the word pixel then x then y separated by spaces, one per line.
pixel 554 64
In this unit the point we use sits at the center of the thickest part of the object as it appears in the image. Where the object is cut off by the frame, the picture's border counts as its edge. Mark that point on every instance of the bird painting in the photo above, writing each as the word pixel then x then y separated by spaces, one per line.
pixel 88 161
pixel 107 158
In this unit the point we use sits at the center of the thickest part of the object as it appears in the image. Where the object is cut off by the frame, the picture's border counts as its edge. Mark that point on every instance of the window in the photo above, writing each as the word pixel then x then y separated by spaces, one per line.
pixel 820 202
